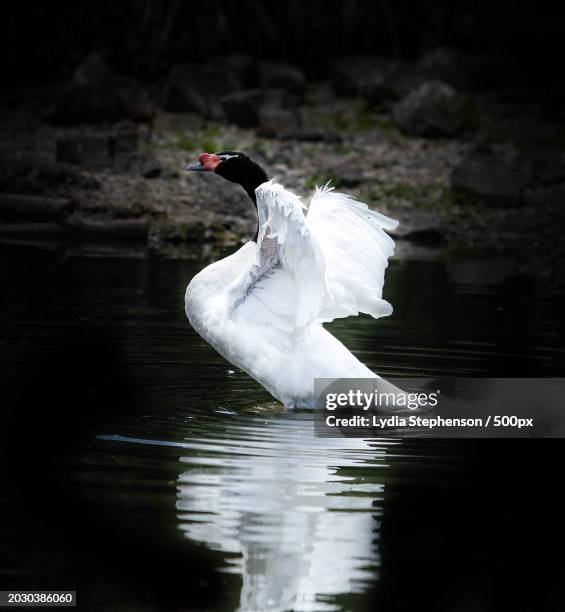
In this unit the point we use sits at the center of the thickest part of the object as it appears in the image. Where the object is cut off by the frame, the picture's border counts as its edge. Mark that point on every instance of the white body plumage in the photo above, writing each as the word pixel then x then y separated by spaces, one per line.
pixel 263 307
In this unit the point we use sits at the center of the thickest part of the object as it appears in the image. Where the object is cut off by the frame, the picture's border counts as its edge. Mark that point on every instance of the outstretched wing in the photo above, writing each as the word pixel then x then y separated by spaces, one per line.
pixel 356 251
pixel 285 284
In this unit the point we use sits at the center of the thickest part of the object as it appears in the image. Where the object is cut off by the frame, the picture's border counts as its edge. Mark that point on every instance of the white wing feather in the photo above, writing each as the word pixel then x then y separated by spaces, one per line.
pixel 356 251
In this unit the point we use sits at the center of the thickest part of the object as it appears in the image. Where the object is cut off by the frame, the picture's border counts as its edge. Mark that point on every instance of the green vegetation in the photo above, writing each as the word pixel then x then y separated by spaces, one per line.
pixel 206 138
pixel 426 196
pixel 420 196
pixel 450 198
pixel 177 232
pixel 387 128
pixel 358 117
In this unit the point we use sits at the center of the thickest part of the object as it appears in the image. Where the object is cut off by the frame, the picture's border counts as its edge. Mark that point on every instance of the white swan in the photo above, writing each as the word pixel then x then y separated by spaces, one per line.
pixel 263 307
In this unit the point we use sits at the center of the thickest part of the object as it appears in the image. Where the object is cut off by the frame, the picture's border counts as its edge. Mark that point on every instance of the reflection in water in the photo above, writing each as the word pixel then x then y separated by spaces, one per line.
pixel 297 517
pixel 288 510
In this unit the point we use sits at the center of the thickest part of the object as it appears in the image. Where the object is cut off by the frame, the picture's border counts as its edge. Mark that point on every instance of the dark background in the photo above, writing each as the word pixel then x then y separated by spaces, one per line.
pixel 497 527
pixel 44 42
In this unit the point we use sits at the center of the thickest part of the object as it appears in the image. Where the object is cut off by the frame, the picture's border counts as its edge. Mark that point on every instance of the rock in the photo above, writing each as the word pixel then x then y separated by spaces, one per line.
pixel 241 67
pixel 178 232
pixel 84 149
pixel 181 95
pixel 245 108
pixel 310 135
pixel 350 178
pixel 380 80
pixel 242 108
pixel 274 120
pixel 138 105
pixel 420 226
pixel 87 103
pixel 123 139
pixel 138 163
pixel 93 69
pixel 434 109
pixel 35 230
pixel 39 176
pixel 552 195
pixel 403 78
pixel 149 166
pixel 363 75
pixel 222 197
pixel 15 207
pixel 198 89
pixel 97 95
pixel 548 165
pixel 345 176
pixel 169 173
pixel 445 65
pixel 98 150
pixel 392 80
pixel 102 102
pixel 281 75
pixel 496 178
pixel 132 229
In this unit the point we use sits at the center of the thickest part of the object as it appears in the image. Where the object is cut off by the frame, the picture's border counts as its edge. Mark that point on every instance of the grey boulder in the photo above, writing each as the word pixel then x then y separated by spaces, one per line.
pixel 434 109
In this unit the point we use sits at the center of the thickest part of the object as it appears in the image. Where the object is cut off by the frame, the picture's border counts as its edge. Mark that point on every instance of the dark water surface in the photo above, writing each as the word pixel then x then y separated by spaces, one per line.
pixel 146 473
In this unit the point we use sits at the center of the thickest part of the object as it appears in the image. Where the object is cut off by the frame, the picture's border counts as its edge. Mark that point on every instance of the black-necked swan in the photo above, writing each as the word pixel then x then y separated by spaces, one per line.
pixel 264 306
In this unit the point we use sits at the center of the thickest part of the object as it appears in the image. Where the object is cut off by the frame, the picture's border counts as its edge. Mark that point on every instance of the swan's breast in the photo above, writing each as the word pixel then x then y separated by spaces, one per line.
pixel 205 297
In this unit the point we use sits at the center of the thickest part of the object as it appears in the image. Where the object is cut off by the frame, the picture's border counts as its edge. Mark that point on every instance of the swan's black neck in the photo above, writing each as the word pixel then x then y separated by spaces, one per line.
pixel 238 168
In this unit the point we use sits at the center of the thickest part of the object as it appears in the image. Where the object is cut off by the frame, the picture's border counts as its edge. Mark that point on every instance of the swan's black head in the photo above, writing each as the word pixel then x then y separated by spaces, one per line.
pixel 233 166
